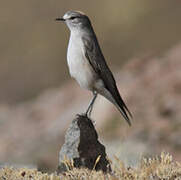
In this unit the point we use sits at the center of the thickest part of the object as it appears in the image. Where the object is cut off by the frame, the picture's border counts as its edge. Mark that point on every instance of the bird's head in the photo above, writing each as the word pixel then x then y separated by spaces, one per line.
pixel 75 20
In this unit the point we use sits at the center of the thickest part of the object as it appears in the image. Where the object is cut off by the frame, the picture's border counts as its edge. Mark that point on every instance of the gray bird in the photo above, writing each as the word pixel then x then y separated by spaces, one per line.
pixel 87 64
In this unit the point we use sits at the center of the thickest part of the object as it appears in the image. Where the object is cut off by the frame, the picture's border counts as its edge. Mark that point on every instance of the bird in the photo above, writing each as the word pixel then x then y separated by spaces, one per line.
pixel 87 64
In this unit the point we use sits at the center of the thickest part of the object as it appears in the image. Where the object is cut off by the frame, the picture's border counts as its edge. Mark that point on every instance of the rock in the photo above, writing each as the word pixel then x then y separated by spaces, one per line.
pixel 82 146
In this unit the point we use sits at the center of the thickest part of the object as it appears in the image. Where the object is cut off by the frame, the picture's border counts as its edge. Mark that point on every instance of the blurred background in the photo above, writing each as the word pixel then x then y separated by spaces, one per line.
pixel 141 42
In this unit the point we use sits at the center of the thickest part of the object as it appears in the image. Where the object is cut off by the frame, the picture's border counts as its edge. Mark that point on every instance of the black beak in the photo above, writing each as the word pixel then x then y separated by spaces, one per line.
pixel 59 19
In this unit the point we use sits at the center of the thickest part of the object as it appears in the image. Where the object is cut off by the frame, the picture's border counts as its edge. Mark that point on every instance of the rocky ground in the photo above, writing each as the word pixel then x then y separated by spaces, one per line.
pixel 33 132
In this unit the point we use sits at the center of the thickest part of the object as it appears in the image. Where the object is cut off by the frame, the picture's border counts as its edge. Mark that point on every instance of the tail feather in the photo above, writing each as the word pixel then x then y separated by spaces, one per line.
pixel 122 107
pixel 118 102
pixel 123 110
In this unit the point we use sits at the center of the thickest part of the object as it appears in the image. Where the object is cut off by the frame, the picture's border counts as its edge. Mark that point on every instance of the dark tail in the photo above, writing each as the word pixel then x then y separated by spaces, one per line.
pixel 122 107
pixel 124 111
pixel 116 99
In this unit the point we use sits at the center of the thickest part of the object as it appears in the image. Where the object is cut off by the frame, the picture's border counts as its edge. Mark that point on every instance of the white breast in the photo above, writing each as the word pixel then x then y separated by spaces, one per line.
pixel 79 66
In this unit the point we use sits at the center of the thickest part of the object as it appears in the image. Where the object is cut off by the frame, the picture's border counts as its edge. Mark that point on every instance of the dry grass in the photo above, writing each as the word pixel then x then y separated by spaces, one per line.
pixel 159 168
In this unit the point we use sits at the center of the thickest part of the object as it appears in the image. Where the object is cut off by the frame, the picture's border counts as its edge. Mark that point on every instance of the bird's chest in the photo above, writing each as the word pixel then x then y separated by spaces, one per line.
pixel 75 55
pixel 79 66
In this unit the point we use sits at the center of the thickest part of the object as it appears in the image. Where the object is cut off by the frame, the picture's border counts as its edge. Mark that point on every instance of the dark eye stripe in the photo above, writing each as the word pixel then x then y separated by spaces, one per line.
pixel 73 17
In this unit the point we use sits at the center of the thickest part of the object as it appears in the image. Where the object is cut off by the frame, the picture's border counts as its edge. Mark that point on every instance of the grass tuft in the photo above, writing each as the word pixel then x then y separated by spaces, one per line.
pixel 159 168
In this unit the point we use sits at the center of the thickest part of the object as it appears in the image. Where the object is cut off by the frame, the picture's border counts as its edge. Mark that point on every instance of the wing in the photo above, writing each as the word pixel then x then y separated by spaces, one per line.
pixel 96 59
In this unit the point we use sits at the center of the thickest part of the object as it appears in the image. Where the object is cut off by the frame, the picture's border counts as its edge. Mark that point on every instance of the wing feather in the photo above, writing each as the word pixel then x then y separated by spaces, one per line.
pixel 96 59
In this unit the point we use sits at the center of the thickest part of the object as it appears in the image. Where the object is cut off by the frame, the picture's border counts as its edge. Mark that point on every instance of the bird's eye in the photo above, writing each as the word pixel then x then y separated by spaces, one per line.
pixel 72 17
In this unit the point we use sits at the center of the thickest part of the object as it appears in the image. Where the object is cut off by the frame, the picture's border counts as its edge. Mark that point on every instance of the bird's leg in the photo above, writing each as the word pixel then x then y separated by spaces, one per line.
pixel 92 104
pixel 89 109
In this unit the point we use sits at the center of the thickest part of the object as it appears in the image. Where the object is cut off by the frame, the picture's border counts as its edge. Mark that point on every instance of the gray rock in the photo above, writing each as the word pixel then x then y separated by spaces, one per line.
pixel 82 146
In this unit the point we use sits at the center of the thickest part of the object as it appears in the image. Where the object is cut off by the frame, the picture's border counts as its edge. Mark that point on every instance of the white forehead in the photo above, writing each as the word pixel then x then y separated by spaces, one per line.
pixel 66 16
pixel 69 14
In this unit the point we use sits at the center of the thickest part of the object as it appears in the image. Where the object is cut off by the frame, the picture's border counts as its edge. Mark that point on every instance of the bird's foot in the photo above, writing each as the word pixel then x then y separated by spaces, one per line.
pixel 93 122
pixel 81 115
pixel 87 116
pixel 84 115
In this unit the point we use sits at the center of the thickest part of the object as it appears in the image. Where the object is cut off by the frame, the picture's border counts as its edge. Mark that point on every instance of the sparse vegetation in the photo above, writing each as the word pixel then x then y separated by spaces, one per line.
pixel 162 167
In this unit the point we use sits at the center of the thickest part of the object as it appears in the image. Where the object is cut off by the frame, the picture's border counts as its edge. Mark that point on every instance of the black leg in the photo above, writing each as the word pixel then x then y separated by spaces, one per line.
pixel 89 109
